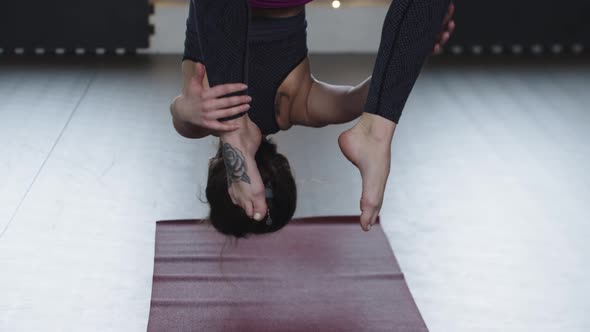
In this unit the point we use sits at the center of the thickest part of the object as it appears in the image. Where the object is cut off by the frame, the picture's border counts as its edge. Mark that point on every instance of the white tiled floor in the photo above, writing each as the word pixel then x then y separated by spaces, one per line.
pixel 486 207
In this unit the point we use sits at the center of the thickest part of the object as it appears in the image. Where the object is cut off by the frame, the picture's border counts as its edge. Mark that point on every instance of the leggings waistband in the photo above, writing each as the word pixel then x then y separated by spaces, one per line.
pixel 276 28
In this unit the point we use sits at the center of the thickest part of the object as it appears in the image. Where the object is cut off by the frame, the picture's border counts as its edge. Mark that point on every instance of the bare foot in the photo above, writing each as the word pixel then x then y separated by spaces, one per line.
pixel 368 146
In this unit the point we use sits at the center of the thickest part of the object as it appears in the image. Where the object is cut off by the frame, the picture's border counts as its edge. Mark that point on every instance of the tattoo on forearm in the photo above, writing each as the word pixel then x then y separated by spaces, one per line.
pixel 235 165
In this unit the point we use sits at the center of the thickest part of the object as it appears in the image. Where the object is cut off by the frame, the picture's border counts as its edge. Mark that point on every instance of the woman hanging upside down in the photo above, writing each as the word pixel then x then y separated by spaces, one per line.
pixel 247 75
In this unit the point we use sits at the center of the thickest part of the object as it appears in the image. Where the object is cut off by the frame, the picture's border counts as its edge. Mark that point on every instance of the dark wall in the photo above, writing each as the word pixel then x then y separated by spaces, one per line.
pixel 527 23
pixel 71 24
pixel 111 24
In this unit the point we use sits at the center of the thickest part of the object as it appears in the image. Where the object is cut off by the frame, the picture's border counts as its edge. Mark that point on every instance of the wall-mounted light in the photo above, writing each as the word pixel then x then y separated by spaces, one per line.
pixel 336 4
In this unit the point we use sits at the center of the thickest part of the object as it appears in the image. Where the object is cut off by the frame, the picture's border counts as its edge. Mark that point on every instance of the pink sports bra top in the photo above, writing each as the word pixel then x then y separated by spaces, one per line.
pixel 277 3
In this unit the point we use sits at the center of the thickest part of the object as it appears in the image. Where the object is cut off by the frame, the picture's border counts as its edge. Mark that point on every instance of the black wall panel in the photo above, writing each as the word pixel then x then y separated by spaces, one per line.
pixel 71 24
pixel 527 23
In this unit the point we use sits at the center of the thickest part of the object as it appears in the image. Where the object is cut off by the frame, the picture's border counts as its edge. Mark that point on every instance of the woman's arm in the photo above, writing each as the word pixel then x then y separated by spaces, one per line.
pixel 247 189
pixel 182 126
pixel 334 104
pixel 197 110
pixel 357 96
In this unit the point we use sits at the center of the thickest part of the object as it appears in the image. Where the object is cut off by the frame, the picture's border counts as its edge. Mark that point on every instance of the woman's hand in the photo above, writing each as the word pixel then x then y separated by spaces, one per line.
pixel 448 27
pixel 244 182
pixel 245 186
pixel 202 106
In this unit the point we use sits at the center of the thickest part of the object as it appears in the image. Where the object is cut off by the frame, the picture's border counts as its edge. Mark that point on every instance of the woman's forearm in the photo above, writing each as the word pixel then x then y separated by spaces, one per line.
pixel 357 97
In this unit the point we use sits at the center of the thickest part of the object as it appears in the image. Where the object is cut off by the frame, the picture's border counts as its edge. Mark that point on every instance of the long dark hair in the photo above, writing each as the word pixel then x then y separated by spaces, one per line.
pixel 276 173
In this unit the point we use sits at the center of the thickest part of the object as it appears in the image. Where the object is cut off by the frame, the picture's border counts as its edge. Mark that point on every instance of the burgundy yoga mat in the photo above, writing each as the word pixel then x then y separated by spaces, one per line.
pixel 316 274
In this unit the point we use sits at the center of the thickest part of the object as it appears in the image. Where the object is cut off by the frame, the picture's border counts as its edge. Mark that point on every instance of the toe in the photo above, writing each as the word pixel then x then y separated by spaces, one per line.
pixel 374 218
pixel 260 208
pixel 366 220
pixel 248 208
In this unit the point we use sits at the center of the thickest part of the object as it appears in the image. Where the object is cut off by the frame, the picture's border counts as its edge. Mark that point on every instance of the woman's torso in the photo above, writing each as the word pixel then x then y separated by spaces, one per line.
pixel 277 3
pixel 290 97
pixel 287 98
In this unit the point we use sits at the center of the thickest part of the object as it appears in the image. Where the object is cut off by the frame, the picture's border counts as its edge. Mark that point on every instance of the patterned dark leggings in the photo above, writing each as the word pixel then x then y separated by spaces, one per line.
pixel 408 36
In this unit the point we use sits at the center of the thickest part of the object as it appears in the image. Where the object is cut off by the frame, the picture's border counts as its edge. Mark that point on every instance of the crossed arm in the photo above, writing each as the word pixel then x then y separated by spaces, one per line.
pixel 334 104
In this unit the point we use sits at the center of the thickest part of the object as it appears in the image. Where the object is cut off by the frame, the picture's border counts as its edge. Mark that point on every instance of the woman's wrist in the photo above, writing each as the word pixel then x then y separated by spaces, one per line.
pixel 362 90
pixel 357 97
pixel 248 137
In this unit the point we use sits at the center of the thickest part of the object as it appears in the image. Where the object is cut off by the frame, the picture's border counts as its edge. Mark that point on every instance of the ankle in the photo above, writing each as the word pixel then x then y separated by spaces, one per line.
pixel 378 129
